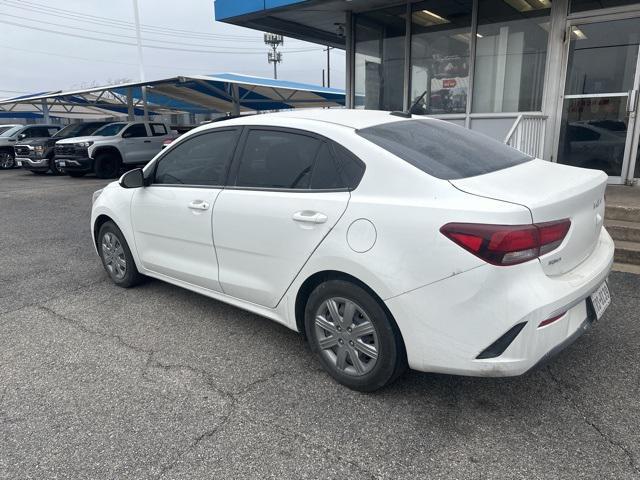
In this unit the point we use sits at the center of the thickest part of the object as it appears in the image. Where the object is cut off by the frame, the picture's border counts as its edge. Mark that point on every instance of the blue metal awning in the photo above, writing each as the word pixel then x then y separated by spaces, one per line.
pixel 220 93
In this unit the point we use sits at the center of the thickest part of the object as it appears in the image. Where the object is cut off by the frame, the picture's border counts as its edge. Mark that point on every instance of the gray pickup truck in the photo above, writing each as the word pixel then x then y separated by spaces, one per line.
pixel 17 133
pixel 111 148
pixel 37 154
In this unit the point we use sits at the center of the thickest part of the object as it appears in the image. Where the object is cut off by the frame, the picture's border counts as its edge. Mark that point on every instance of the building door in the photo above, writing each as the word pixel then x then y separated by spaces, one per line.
pixel 598 127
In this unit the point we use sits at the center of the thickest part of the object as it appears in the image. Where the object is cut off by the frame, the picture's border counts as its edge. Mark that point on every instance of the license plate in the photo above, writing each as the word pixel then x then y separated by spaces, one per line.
pixel 600 299
pixel 62 163
pixel 19 163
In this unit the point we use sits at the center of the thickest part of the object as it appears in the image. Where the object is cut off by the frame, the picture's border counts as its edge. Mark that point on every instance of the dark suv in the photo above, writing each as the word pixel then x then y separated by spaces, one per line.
pixel 37 154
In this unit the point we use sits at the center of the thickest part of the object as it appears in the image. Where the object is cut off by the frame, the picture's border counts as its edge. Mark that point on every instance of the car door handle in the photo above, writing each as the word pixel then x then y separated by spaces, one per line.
pixel 307 216
pixel 198 205
pixel 147 141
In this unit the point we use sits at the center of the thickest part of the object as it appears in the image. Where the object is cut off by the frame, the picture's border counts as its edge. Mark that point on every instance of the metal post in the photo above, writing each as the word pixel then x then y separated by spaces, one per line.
pixel 235 94
pixel 45 110
pixel 136 15
pixel 131 114
pixel 350 60
pixel 328 67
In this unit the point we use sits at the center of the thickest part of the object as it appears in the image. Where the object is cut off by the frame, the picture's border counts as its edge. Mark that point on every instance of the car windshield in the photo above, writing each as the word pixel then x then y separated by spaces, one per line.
pixel 78 130
pixel 12 131
pixel 442 149
pixel 110 130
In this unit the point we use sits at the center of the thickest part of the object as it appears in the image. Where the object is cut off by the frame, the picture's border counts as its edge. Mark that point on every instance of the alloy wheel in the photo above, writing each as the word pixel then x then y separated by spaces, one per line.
pixel 6 160
pixel 346 336
pixel 113 254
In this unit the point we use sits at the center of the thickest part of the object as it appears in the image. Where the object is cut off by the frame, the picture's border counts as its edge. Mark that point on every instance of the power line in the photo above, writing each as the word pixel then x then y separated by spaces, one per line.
pixel 157 47
pixel 103 21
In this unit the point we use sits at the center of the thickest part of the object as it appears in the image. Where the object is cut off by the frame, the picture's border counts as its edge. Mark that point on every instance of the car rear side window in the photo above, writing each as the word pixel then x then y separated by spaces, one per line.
pixel 277 159
pixel 200 160
pixel 335 167
pixel 442 149
pixel 158 129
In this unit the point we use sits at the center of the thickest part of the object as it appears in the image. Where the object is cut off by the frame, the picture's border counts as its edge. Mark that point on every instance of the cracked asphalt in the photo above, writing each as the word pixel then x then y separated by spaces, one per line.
pixel 158 382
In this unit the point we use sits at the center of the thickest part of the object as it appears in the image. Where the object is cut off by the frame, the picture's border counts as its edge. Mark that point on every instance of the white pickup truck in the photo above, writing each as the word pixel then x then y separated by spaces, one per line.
pixel 113 147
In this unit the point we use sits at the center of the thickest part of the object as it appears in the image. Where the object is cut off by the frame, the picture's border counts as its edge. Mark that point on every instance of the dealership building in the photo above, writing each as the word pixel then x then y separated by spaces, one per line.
pixel 558 79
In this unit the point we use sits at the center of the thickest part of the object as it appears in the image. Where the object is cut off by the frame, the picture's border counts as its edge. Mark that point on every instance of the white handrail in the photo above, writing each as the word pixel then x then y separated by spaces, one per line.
pixel 527 134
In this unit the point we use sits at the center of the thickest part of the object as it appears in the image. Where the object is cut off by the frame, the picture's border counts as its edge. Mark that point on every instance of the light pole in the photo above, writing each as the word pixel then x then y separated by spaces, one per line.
pixel 274 56
pixel 136 15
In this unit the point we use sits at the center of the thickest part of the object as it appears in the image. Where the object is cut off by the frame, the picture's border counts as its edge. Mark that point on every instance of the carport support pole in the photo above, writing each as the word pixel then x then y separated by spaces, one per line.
pixel 136 14
pixel 131 115
pixel 45 111
pixel 236 99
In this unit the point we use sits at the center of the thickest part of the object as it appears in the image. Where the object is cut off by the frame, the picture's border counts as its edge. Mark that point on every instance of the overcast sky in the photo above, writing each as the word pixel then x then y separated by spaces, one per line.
pixel 51 45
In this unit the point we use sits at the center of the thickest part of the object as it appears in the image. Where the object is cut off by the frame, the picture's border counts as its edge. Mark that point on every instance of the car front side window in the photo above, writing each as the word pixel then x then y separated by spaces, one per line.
pixel 201 160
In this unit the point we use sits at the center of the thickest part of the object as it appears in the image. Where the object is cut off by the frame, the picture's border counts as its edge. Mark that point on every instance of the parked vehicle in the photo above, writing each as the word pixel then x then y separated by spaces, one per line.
pixel 16 133
pixel 175 133
pixel 111 148
pixel 388 241
pixel 37 154
pixel 4 128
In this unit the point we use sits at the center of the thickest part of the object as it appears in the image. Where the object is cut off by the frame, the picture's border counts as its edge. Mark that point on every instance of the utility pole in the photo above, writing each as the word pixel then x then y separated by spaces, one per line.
pixel 274 56
pixel 136 15
pixel 328 66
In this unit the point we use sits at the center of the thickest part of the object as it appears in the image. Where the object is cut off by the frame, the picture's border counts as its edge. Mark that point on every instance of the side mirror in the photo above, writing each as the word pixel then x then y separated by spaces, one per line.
pixel 22 136
pixel 132 179
pixel 126 135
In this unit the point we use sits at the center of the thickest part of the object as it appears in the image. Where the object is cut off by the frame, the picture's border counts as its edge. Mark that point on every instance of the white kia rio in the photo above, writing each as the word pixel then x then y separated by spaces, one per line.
pixel 388 241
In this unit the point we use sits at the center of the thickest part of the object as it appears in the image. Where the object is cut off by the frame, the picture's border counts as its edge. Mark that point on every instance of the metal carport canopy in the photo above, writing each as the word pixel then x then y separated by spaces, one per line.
pixel 224 92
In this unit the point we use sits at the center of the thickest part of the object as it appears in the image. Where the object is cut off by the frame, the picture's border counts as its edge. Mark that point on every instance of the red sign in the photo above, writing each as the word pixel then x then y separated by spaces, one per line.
pixel 449 83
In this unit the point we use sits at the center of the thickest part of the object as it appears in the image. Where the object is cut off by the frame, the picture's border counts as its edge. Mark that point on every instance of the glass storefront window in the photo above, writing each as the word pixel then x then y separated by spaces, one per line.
pixel 582 5
pixel 511 51
pixel 440 40
pixel 602 57
pixel 379 59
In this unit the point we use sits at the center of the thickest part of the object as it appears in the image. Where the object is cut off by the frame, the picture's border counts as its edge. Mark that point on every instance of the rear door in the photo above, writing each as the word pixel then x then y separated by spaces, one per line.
pixel 137 144
pixel 171 218
pixel 271 217
pixel 158 133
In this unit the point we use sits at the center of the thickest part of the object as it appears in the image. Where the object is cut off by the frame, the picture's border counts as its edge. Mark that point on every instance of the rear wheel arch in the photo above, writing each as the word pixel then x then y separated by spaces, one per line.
pixel 323 276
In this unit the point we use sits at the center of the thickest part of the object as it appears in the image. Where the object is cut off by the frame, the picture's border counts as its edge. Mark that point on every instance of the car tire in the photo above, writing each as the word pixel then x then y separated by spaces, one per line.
pixel 116 256
pixel 53 167
pixel 7 160
pixel 76 174
pixel 365 352
pixel 107 165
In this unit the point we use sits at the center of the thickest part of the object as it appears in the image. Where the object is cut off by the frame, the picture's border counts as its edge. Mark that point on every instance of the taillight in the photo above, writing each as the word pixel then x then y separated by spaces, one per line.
pixel 507 244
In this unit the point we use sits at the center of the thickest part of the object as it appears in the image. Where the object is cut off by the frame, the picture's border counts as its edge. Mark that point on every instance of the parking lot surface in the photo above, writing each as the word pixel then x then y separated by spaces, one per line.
pixel 159 382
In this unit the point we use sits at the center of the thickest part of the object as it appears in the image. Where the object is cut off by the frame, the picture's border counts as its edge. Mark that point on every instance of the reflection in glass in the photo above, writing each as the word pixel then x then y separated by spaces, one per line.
pixel 441 35
pixel 582 5
pixel 511 53
pixel 593 133
pixel 379 59
pixel 602 57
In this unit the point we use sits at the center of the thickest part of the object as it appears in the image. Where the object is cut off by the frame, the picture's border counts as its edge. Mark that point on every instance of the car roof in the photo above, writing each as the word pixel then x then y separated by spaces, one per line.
pixel 350 118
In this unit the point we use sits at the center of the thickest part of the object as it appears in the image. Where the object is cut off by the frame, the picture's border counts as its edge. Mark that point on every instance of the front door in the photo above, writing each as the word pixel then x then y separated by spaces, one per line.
pixel 598 111
pixel 171 218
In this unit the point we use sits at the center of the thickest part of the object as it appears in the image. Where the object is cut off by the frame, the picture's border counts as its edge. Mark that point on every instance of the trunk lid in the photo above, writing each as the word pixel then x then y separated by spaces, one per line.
pixel 551 191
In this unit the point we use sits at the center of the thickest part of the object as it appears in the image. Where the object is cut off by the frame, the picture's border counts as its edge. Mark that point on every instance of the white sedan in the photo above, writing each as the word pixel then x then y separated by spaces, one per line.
pixel 388 241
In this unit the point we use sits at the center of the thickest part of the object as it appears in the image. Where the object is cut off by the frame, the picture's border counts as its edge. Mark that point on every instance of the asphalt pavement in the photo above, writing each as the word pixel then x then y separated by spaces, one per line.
pixel 158 382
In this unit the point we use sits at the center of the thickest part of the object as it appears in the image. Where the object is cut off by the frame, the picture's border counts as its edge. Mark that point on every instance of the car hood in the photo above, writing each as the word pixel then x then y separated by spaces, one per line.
pixel 91 138
pixel 37 141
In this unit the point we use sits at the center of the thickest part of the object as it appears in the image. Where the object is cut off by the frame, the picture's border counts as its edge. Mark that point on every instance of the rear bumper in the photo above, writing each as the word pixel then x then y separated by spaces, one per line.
pixel 446 325
pixel 75 164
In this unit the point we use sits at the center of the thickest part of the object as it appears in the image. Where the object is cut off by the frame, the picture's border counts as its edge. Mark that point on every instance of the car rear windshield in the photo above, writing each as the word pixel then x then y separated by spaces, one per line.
pixel 442 149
